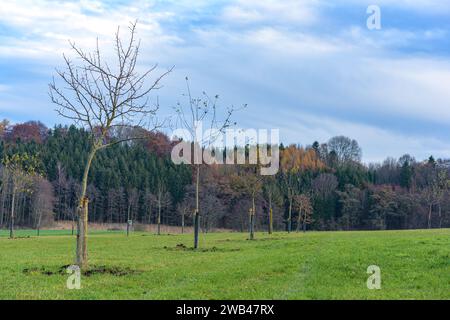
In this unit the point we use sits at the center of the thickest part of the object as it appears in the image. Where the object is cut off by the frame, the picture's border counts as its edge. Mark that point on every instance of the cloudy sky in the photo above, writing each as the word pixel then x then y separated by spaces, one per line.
pixel 308 67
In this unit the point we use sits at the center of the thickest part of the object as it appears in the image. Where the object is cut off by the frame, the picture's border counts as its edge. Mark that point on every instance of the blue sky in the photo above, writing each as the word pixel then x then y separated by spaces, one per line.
pixel 308 67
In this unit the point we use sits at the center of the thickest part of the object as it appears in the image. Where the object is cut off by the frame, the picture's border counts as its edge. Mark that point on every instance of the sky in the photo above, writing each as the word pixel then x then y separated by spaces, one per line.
pixel 310 68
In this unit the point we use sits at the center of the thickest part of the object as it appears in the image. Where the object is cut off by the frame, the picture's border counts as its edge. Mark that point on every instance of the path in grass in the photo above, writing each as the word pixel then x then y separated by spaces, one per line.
pixel 315 265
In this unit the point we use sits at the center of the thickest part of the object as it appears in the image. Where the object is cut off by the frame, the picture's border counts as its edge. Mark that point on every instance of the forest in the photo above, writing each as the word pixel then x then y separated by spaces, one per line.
pixel 320 186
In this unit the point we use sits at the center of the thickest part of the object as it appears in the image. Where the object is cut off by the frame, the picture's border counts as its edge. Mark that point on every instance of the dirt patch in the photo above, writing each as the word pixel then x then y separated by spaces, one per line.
pixel 182 247
pixel 112 270
pixel 42 270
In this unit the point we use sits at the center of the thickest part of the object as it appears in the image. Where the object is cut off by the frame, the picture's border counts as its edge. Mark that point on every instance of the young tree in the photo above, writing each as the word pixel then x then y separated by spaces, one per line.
pixel 61 187
pixel 20 170
pixel 4 188
pixel 273 197
pixel 197 114
pixel 437 184
pixel 163 201
pixel 290 164
pixel 305 210
pixel 184 209
pixel 102 98
pixel 443 185
pixel 43 203
pixel 250 184
pixel 149 199
pixel 133 199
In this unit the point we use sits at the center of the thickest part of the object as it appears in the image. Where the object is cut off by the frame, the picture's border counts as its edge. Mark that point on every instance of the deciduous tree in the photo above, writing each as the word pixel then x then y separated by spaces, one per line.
pixel 102 98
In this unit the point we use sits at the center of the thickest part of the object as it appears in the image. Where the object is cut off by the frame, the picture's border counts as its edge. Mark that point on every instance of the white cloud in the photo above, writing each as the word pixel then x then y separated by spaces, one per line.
pixel 301 12
pixel 42 27
pixel 429 6
pixel 435 7
pixel 377 143
pixel 292 44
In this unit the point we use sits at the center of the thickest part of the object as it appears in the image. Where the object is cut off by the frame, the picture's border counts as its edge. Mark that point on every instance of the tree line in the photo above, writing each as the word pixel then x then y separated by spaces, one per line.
pixel 322 186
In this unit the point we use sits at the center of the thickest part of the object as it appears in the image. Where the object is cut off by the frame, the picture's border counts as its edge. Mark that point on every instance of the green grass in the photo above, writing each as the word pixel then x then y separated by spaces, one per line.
pixel 24 233
pixel 315 265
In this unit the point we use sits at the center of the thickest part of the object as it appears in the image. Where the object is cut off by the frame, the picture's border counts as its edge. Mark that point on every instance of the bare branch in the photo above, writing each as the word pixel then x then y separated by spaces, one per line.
pixel 99 97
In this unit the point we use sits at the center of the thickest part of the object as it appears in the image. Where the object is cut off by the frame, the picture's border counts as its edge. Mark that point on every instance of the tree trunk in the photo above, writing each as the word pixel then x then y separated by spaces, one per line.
pixel 11 223
pixel 304 222
pixel 196 228
pixel 205 224
pixel 73 223
pixel 82 215
pixel 440 216
pixel 197 209
pixel 290 216
pixel 149 221
pixel 128 220
pixel 250 225
pixel 299 220
pixel 270 220
pixel 182 222
pixel 39 223
pixel 429 216
pixel 2 206
pixel 252 220
pixel 82 227
pixel 159 215
pixel 270 215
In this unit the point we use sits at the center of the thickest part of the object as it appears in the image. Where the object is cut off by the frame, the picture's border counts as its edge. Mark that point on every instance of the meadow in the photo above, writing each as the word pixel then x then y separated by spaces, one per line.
pixel 415 264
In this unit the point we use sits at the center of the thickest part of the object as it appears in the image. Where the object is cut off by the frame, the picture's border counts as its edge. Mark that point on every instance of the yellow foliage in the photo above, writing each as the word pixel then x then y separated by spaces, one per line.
pixel 296 159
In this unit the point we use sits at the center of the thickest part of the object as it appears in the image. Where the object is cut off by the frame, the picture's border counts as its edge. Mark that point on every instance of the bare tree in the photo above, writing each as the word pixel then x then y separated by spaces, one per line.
pixel 324 185
pixel 212 208
pixel 345 149
pixel 436 185
pixel 102 99
pixel 183 209
pixel 163 201
pixel 249 184
pixel 3 193
pixel 20 171
pixel 133 199
pixel 305 210
pixel 61 186
pixel 43 203
pixel 443 184
pixel 272 196
pixel 198 113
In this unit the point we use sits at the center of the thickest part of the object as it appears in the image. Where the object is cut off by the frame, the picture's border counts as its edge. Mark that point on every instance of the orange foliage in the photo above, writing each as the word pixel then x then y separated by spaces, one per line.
pixel 296 159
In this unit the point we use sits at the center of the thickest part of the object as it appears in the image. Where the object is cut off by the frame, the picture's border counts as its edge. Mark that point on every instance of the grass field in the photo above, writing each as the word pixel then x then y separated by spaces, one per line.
pixel 315 265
